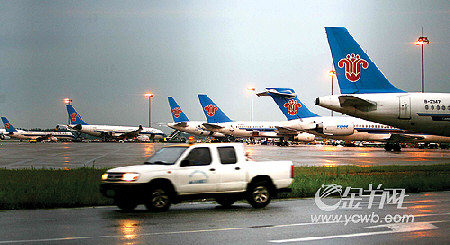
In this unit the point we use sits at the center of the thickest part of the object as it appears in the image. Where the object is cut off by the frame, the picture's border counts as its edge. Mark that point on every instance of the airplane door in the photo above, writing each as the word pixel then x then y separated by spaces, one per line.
pixel 404 107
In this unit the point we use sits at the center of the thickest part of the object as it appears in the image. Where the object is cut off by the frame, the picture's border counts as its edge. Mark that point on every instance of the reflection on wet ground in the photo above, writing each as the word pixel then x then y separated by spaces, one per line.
pixel 73 155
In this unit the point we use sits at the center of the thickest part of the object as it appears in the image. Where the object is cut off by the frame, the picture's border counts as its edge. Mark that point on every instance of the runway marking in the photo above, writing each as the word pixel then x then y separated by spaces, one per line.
pixel 395 228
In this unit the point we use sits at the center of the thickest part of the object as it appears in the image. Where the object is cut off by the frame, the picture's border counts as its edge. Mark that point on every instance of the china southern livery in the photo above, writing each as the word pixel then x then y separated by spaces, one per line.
pixel 181 122
pixel 341 128
pixel 34 135
pixel 217 121
pixel 108 132
pixel 367 94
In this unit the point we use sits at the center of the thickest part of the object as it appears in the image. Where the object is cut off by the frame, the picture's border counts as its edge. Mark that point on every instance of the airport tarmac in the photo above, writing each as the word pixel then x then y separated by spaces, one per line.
pixel 282 222
pixel 15 155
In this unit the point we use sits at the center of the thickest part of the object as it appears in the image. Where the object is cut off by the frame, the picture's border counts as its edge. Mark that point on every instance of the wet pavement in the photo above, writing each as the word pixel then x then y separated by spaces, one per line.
pixel 282 222
pixel 15 155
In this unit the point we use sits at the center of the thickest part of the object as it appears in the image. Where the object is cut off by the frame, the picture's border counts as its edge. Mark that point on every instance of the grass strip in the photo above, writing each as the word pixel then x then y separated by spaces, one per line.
pixel 54 188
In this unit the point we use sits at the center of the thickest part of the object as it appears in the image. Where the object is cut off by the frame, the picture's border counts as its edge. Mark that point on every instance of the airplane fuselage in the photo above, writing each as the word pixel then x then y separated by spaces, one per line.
pixel 115 131
pixel 249 129
pixel 356 129
pixel 416 112
pixel 27 135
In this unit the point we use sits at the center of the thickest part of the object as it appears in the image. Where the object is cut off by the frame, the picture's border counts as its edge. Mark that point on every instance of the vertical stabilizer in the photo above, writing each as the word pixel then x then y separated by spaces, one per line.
pixel 212 112
pixel 356 73
pixel 8 126
pixel 289 104
pixel 177 114
pixel 74 117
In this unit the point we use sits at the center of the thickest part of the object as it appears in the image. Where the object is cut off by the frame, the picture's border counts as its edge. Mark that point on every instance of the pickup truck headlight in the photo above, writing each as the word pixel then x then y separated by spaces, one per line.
pixel 104 176
pixel 130 176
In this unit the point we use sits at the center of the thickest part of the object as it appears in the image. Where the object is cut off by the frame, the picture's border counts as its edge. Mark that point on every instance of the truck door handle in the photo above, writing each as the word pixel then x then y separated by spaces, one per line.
pixel 212 169
pixel 237 168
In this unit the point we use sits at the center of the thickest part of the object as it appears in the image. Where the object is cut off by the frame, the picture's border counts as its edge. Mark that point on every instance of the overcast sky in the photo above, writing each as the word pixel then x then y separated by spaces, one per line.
pixel 106 54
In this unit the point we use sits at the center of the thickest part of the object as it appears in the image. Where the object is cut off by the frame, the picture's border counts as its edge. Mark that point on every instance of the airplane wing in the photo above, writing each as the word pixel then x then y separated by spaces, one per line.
pixel 286 130
pixel 45 137
pixel 358 103
pixel 131 134
pixel 211 126
pixel 404 138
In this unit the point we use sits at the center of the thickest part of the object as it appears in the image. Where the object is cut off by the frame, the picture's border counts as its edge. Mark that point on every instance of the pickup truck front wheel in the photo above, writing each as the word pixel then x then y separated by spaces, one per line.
pixel 258 194
pixel 159 200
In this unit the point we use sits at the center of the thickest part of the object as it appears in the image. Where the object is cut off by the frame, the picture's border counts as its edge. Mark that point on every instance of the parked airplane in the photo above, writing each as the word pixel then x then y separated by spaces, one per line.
pixel 367 94
pixel 34 135
pixel 108 132
pixel 182 123
pixel 341 128
pixel 217 121
pixel 4 135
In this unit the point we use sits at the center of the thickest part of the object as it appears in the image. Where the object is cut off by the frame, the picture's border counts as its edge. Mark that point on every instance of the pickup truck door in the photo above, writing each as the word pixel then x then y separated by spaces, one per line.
pixel 232 175
pixel 199 176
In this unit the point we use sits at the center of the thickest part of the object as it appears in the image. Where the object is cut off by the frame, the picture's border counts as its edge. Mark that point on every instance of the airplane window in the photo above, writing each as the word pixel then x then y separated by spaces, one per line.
pixel 432 107
pixel 438 107
pixel 426 107
pixel 443 108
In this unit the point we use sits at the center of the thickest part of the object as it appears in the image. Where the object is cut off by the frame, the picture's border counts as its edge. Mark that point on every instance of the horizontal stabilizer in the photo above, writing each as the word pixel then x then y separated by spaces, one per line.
pixel 358 103
pixel 181 124
pixel 286 130
pixel 212 126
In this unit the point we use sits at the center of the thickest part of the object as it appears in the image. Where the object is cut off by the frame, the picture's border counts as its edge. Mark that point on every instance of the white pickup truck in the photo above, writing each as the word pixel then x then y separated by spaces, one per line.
pixel 189 172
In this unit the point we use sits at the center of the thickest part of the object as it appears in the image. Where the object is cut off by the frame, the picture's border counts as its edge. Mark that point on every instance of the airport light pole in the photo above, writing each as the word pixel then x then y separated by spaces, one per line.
pixel 68 101
pixel 421 41
pixel 149 96
pixel 252 90
pixel 332 74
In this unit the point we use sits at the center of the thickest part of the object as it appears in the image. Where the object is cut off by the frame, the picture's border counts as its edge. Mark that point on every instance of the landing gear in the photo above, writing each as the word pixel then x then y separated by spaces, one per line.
pixel 393 147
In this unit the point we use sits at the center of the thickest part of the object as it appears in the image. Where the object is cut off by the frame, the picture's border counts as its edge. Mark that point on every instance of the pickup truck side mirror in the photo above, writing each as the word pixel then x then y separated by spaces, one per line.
pixel 185 163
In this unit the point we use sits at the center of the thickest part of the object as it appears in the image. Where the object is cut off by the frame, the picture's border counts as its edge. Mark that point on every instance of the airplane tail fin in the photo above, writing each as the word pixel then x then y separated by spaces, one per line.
pixel 75 118
pixel 289 104
pixel 177 114
pixel 8 126
pixel 212 112
pixel 356 73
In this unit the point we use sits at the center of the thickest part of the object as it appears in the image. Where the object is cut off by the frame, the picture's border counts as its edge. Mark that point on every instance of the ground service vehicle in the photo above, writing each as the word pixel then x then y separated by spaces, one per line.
pixel 189 172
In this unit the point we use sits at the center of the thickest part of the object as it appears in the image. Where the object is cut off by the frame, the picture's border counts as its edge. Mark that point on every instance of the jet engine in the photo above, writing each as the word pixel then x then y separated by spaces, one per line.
pixel 334 129
pixel 305 137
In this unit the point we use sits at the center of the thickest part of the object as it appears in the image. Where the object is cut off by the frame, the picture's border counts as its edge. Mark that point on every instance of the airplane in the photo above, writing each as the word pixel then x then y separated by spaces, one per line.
pixel 367 94
pixel 341 128
pixel 182 123
pixel 34 135
pixel 217 121
pixel 4 135
pixel 108 132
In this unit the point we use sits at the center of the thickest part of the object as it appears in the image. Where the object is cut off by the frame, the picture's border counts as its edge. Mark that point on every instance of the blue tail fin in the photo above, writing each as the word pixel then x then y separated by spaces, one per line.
pixel 8 126
pixel 177 114
pixel 289 104
pixel 355 72
pixel 74 117
pixel 212 112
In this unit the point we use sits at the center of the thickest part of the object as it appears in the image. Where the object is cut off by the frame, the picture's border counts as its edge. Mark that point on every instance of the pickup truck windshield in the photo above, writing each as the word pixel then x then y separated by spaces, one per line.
pixel 166 156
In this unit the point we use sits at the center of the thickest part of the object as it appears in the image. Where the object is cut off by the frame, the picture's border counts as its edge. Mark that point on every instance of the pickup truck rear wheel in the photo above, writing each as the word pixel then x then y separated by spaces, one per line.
pixel 159 200
pixel 258 194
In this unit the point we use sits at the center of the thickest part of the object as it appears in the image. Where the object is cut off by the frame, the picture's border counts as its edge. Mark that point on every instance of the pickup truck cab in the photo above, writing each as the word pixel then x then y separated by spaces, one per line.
pixel 189 172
